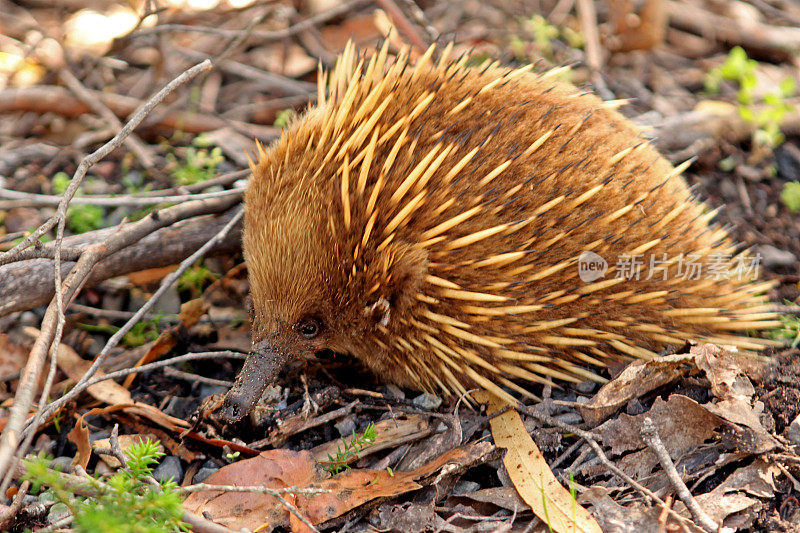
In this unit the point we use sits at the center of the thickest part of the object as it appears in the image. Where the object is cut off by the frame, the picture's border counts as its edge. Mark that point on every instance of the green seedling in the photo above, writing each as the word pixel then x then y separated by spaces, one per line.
pixel 198 164
pixel 348 450
pixel 284 117
pixel 194 279
pixel 127 502
pixel 766 113
pixel 790 196
pixel 788 331
pixel 80 218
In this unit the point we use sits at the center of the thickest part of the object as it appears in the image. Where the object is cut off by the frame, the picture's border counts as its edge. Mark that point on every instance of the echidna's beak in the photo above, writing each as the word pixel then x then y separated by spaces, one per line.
pixel 260 369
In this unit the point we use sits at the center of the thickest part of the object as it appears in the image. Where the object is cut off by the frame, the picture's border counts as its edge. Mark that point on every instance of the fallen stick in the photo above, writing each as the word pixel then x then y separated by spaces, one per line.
pixel 28 284
pixel 56 99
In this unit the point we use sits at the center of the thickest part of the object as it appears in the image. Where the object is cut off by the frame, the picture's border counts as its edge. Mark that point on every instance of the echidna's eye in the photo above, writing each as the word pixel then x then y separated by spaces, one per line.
pixel 309 327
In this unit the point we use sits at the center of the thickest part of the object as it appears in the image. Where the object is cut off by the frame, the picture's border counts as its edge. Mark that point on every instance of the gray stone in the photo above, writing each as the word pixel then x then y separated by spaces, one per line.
pixel 62 464
pixel 346 427
pixel 47 497
pixel 394 392
pixel 773 257
pixel 57 512
pixel 793 431
pixel 465 487
pixel 97 435
pixel 207 390
pixel 208 468
pixel 427 400
pixel 170 468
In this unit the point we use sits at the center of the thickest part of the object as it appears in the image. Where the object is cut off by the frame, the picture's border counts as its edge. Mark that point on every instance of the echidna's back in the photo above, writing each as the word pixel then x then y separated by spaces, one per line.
pixel 518 188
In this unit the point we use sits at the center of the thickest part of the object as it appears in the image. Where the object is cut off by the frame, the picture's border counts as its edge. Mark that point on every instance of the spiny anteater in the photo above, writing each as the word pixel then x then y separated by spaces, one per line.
pixel 433 219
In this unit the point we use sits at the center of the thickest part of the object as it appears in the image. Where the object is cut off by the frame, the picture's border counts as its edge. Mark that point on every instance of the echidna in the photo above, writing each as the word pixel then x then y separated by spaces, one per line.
pixel 441 223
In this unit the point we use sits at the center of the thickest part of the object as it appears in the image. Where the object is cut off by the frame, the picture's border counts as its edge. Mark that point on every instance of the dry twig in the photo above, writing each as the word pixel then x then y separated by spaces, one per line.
pixel 651 438
pixel 52 324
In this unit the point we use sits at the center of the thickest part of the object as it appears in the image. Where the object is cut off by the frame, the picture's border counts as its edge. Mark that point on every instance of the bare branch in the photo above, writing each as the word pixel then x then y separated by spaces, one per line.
pixel 53 320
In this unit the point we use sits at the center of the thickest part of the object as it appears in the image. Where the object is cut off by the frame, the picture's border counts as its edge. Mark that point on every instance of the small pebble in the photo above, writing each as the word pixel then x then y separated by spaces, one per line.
pixel 170 468
pixel 57 512
pixel 465 487
pixel 36 510
pixel 208 468
pixel 572 418
pixel 28 318
pixel 773 257
pixel 47 497
pixel 62 464
pixel 635 407
pixel 793 431
pixel 393 391
pixel 585 387
pixel 427 401
pixel 346 427
pixel 787 161
pixel 207 390
pixel 97 435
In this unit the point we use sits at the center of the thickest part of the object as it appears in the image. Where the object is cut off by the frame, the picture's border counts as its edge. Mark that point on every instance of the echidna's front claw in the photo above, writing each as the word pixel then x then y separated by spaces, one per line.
pixel 259 370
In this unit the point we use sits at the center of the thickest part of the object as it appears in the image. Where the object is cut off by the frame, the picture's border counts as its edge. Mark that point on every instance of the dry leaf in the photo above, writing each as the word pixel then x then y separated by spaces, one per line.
pixel 630 518
pixel 12 356
pixel 279 469
pixel 283 468
pixel 638 378
pixel 683 424
pixel 112 393
pixel 531 474
pixel 80 436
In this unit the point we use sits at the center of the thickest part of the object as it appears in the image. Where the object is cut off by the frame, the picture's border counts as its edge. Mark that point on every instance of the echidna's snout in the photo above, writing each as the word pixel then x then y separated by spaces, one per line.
pixel 260 369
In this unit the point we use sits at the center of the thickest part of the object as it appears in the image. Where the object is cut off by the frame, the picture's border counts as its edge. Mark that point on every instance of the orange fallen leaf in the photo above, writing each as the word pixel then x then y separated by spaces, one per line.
pixel 80 436
pixel 280 469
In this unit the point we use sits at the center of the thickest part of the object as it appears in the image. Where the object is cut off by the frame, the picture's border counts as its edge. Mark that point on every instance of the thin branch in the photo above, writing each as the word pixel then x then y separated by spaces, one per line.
pixel 28 282
pixel 43 200
pixel 53 321
pixel 276 493
pixel 133 142
pixel 651 438
pixel 166 283
pixel 257 37
pixel 75 391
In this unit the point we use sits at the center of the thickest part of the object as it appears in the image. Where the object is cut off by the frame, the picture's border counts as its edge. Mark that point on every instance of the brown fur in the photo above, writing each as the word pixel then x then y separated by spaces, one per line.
pixel 425 309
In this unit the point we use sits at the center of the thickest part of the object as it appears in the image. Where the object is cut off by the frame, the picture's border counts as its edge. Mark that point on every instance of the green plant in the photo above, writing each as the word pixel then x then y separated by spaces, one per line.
pixel 80 218
pixel 130 501
pixel 790 196
pixel 83 218
pixel 789 331
pixel 766 114
pixel 542 34
pixel 348 451
pixel 143 332
pixel 198 164
pixel 195 278
pixel 284 117
pixel 232 456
